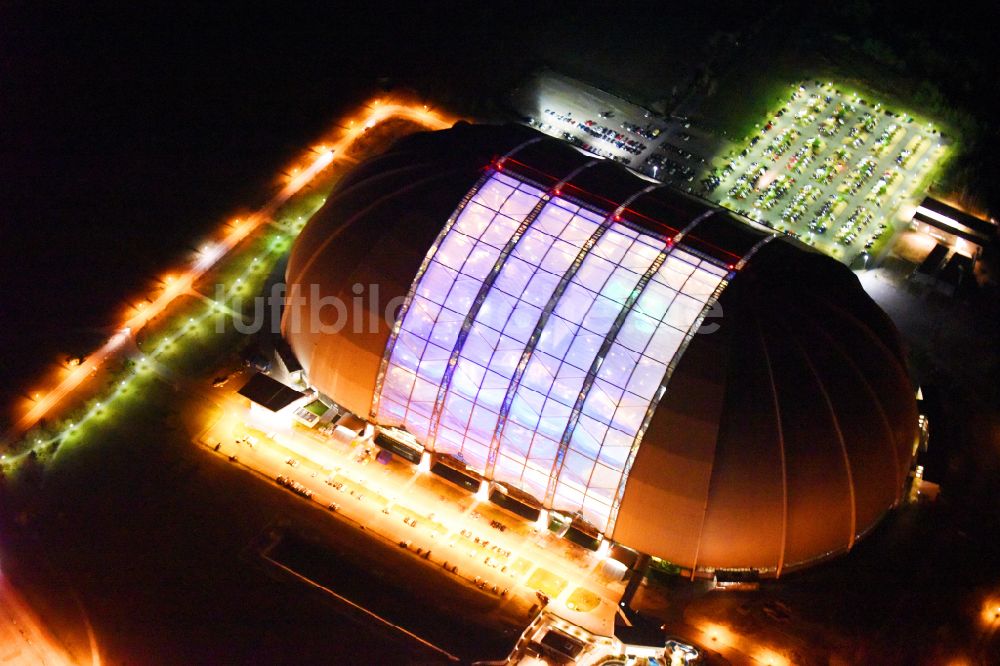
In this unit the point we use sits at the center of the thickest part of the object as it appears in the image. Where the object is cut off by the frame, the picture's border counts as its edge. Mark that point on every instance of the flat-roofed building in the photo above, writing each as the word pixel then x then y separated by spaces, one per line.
pixel 966 234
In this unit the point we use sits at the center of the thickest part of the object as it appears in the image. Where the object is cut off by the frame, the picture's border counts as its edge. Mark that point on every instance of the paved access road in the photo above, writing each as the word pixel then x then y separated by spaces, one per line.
pixel 23 639
pixel 438 517
pixel 184 281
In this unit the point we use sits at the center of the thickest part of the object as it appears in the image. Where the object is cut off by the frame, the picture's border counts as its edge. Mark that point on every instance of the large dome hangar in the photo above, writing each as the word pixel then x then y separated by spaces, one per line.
pixel 592 343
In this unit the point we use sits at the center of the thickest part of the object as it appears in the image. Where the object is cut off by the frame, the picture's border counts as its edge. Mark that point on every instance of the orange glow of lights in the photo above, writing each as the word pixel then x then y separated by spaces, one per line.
pixel 239 230
pixel 771 658
pixel 36 644
pixel 717 633
pixel 990 613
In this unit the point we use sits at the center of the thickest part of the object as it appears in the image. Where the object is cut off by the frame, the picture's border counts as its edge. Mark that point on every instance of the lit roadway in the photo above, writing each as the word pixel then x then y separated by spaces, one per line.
pixel 23 639
pixel 379 498
pixel 393 492
pixel 211 255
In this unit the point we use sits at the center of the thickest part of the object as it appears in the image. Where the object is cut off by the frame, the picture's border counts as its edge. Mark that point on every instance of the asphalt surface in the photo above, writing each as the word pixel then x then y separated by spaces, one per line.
pixel 678 153
pixel 401 504
pixel 839 157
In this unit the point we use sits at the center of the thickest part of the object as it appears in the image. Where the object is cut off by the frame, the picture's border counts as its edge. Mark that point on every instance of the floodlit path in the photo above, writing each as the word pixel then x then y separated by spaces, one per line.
pixel 185 282
pixel 381 497
pixel 23 639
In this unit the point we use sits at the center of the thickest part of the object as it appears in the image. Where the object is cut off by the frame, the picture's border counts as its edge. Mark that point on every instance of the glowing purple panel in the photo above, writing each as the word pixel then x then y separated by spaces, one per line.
pixel 627 380
pixel 571 339
pixel 442 298
pixel 588 318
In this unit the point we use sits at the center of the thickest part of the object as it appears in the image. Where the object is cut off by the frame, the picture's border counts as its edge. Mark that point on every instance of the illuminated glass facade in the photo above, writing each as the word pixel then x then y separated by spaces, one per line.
pixel 444 295
pixel 557 326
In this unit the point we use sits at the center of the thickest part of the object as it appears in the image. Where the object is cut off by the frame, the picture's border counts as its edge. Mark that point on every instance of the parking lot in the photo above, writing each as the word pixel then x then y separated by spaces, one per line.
pixel 512 560
pixel 838 171
pixel 832 168
pixel 672 150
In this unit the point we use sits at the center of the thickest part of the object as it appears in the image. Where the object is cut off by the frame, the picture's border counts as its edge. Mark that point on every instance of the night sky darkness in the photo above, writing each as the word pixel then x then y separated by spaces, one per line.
pixel 125 132
pixel 126 136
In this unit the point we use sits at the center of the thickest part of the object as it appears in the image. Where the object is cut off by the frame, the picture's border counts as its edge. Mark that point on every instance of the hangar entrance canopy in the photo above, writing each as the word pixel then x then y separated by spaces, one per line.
pixel 269 393
pixel 536 340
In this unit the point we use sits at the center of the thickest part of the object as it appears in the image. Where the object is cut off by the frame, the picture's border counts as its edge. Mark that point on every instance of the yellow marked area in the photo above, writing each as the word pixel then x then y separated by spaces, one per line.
pixel 404 512
pixel 583 600
pixel 547 583
pixel 436 527
pixel 521 566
